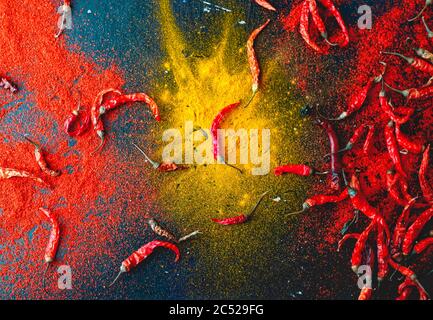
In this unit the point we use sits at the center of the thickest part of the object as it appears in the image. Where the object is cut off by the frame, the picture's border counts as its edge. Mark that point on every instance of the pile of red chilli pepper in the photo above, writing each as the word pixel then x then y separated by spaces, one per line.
pixel 388 243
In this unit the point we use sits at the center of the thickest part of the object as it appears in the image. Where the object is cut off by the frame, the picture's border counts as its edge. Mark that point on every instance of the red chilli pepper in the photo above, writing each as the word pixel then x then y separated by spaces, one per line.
pixel 414 230
pixel 297 169
pixel 426 189
pixel 369 139
pixel 360 246
pixel 53 242
pixel 335 159
pixel 409 284
pixel 265 4
pixel 141 254
pixel 319 200
pixel 407 144
pixel 400 229
pixel 252 57
pixel 416 63
pixel 40 160
pixel 367 290
pixel 423 245
pixel 216 123
pixel 318 21
pixel 242 218
pixel 394 153
pixel 7 173
pixel 392 181
pixel 304 26
pixel 334 11
pixel 382 255
pixel 345 238
pixel 408 273
pixel 72 119
pixel 414 93
pixel 389 111
pixel 129 98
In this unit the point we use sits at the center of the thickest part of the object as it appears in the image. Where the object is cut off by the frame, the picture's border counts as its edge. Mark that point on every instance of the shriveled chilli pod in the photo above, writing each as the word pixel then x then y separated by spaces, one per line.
pixel 409 274
pixel 54 240
pixel 382 255
pixel 242 218
pixel 360 203
pixel 216 124
pixel 404 142
pixel 319 200
pixel 409 284
pixel 423 245
pixel 424 54
pixel 389 110
pixel 304 28
pixel 65 19
pixel 369 139
pixel 335 159
pixel 426 188
pixel 360 245
pixel 8 173
pixel 367 290
pixel 42 163
pixel 394 153
pixel 297 169
pixel 265 4
pixel 161 167
pixel 329 5
pixel 353 140
pixel 415 230
pixel 71 121
pixel 159 230
pixel 416 63
pixel 7 85
pixel 252 59
pixel 414 93
pixel 141 254
pixel 318 21
pixel 392 182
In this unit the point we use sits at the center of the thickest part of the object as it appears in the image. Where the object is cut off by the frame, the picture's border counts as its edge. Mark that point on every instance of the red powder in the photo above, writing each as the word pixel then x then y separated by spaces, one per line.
pixel 57 79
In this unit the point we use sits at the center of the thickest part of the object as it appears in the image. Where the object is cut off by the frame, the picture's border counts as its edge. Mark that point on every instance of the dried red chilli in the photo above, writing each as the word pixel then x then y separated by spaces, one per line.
pixel 54 240
pixel 40 160
pixel 429 32
pixel 408 273
pixel 161 167
pixel 392 181
pixel 304 28
pixel 297 169
pixel 426 5
pixel 328 4
pixel 130 98
pixel 391 144
pixel 382 255
pixel 71 121
pixel 369 139
pixel 404 294
pixel 404 142
pixel 7 85
pixel 423 245
pixel 345 238
pixel 319 200
pixel 424 54
pixel 252 57
pixel 216 123
pixel 400 230
pixel 318 21
pixel 360 203
pixel 8 173
pixel 426 188
pixel 416 63
pixel 335 158
pixel 360 245
pixel 415 230
pixel 414 93
pixel 141 254
pixel 242 218
pixel 353 140
pixel 159 230
pixel 265 4
pixel 409 284
pixel 389 110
